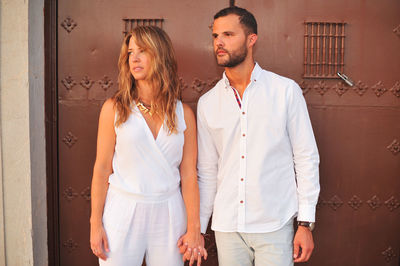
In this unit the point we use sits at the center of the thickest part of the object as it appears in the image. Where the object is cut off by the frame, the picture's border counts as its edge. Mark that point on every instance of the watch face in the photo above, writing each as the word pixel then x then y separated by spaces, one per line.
pixel 311 226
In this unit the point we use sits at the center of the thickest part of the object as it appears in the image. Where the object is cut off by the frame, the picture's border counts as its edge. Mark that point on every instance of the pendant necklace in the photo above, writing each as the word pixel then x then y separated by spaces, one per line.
pixel 142 107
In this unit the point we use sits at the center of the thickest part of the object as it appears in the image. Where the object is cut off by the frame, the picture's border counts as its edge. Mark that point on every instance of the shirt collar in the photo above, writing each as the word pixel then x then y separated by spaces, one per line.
pixel 254 76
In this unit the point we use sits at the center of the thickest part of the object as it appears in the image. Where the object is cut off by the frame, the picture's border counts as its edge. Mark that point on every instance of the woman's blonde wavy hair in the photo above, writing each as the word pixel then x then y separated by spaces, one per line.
pixel 163 75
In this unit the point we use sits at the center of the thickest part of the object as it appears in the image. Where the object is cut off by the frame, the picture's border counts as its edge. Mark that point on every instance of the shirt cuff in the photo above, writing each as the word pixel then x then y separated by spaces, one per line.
pixel 306 213
pixel 204 224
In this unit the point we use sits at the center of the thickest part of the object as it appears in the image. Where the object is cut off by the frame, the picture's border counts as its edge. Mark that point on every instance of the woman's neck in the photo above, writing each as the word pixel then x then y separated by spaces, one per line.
pixel 145 92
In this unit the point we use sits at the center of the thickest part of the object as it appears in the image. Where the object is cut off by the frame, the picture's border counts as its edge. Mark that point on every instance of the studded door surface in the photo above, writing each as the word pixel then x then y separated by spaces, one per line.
pixel 357 127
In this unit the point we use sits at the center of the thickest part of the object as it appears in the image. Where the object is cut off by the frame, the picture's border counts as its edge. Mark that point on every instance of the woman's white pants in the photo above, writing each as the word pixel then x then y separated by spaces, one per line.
pixel 139 227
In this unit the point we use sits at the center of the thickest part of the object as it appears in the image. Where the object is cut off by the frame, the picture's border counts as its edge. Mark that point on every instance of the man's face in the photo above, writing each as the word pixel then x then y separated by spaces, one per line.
pixel 230 41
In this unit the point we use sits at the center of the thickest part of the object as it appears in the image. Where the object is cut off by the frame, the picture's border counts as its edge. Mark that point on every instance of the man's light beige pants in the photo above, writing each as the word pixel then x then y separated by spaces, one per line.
pixel 259 249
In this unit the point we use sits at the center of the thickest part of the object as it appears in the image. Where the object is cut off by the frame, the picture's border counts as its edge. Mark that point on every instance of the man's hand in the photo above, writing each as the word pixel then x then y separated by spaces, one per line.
pixel 303 244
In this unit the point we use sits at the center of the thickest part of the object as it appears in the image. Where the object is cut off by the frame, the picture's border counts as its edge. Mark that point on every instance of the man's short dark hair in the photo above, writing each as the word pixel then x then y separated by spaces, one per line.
pixel 245 17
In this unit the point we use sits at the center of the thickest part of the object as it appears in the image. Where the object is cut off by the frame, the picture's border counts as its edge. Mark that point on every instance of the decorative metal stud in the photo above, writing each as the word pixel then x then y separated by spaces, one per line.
pixel 341 88
pixel 183 84
pixel 374 202
pixel 396 89
pixel 86 193
pixel 70 139
pixel 379 89
pixel 69 24
pixel 304 87
pixel 320 203
pixel 198 85
pixel 388 254
pixel 397 30
pixel 70 245
pixel 68 82
pixel 86 82
pixel 335 202
pixel 355 202
pixel 321 87
pixel 70 193
pixel 105 83
pixel 360 88
pixel 394 147
pixel 392 203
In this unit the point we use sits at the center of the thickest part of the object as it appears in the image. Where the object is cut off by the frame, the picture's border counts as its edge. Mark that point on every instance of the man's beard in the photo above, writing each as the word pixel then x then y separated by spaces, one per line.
pixel 234 58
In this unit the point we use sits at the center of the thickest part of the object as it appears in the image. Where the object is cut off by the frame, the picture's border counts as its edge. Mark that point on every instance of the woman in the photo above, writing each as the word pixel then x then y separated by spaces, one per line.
pixel 146 148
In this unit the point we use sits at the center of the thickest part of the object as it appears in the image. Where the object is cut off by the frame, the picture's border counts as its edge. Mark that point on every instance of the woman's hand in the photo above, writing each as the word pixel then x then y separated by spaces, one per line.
pixel 98 240
pixel 191 245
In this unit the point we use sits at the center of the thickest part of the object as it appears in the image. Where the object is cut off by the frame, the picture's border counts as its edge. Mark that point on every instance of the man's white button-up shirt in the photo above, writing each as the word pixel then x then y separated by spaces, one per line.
pixel 258 160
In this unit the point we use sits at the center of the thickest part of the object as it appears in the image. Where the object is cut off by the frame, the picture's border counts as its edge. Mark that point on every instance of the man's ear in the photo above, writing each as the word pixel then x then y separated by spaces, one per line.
pixel 252 38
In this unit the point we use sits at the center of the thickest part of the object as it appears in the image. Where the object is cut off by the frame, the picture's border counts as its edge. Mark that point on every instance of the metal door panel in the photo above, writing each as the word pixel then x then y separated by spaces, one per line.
pixel 356 128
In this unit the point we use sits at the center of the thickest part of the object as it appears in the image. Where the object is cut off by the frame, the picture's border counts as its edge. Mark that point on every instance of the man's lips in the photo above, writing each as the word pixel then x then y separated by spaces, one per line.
pixel 221 52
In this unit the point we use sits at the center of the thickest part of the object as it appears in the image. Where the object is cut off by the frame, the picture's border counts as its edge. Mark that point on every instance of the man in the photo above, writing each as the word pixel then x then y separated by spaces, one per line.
pixel 258 160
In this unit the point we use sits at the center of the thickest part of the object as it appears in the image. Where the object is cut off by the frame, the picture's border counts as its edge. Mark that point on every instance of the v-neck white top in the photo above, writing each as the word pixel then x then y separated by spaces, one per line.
pixel 143 165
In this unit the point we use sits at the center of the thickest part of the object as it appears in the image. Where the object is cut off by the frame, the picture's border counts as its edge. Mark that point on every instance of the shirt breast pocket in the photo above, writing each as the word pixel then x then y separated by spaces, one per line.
pixel 270 121
pixel 223 128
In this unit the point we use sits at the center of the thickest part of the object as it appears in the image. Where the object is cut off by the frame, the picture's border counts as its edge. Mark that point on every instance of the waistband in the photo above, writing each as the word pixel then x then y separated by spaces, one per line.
pixel 155 197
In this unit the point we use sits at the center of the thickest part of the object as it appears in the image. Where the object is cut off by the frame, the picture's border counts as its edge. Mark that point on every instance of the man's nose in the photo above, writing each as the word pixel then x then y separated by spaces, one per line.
pixel 218 42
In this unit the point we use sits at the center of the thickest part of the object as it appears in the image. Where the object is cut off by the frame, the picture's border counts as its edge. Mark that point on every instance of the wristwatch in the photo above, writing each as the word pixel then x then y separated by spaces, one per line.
pixel 309 225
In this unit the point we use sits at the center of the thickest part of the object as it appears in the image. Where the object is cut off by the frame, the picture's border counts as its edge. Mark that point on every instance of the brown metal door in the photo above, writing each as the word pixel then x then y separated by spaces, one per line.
pixel 357 128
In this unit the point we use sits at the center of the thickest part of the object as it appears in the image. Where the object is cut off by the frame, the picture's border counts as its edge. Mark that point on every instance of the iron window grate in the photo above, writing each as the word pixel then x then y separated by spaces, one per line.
pixel 323 49
pixel 131 23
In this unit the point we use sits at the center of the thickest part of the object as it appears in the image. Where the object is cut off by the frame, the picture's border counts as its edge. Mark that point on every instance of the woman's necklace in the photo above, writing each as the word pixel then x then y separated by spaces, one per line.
pixel 142 107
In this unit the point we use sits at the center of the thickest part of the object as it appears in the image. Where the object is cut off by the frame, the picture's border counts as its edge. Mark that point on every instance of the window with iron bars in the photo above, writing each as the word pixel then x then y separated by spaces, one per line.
pixel 130 24
pixel 323 49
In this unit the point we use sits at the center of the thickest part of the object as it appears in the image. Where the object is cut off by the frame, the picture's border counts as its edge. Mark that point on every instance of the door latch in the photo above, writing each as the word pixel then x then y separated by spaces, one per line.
pixel 346 79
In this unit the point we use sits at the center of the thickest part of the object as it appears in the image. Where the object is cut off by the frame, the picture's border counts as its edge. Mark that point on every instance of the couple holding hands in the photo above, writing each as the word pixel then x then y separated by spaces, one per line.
pixel 250 160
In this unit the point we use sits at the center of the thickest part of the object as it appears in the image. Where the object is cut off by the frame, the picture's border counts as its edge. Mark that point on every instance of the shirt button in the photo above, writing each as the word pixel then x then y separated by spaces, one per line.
pixel 241 179
pixel 241 201
pixel 244 135
pixel 243 113
pixel 242 157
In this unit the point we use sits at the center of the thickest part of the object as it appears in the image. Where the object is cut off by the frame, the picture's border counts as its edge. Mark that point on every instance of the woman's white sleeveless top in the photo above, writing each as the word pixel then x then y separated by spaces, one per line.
pixel 145 166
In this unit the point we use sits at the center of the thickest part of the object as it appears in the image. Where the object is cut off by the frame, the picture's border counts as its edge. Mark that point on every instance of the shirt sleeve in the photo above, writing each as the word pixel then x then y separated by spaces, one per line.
pixel 305 154
pixel 207 168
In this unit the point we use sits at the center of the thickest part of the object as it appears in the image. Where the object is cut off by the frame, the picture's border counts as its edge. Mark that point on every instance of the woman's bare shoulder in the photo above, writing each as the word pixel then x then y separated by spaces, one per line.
pixel 188 113
pixel 108 109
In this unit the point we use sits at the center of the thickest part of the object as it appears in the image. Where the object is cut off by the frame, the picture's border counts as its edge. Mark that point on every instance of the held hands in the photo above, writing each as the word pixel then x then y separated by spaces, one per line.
pixel 191 245
pixel 98 240
pixel 304 240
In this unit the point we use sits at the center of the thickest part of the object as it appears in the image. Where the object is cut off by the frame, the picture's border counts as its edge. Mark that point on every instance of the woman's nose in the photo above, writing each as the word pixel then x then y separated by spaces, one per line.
pixel 135 58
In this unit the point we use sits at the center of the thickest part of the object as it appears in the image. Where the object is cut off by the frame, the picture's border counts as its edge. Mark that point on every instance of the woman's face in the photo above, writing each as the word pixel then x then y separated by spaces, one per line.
pixel 139 61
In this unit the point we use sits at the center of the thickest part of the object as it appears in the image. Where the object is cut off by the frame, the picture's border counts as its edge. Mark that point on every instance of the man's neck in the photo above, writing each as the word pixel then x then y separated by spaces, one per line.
pixel 239 76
